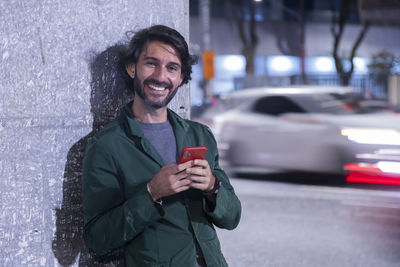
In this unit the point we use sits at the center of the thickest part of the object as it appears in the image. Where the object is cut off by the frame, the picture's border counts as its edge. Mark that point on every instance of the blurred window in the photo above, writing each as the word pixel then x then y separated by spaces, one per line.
pixel 322 103
pixel 276 105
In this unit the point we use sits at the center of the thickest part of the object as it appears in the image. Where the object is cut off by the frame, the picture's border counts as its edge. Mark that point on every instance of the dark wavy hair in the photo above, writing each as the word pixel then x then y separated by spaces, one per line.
pixel 163 34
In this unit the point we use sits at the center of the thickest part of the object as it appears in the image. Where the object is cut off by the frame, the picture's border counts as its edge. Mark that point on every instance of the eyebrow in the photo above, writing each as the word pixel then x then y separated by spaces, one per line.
pixel 156 59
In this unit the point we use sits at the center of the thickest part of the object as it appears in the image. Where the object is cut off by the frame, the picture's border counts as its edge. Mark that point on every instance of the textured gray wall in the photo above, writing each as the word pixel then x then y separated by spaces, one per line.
pixel 58 79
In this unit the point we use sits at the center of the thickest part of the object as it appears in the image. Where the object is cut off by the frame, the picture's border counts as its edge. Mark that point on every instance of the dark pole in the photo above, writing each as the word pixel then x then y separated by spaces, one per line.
pixel 302 43
pixel 204 6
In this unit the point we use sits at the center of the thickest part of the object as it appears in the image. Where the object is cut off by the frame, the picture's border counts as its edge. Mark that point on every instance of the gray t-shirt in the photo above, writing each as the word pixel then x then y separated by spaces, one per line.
pixel 162 137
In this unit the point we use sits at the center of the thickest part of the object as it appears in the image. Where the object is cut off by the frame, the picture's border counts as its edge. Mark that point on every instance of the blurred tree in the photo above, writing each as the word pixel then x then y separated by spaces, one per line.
pixel 396 66
pixel 293 10
pixel 244 15
pixel 248 37
pixel 383 63
pixel 340 15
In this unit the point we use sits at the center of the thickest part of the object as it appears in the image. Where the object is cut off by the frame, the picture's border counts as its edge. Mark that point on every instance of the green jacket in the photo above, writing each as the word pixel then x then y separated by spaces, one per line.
pixel 117 208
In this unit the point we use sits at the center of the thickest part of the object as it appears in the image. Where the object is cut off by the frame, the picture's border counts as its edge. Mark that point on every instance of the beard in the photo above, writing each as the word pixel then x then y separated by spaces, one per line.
pixel 138 88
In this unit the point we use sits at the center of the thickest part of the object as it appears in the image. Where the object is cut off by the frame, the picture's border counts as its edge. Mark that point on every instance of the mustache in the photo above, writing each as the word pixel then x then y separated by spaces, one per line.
pixel 158 83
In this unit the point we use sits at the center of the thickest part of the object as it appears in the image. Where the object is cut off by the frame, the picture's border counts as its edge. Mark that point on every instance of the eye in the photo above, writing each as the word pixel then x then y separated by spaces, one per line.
pixel 150 63
pixel 173 68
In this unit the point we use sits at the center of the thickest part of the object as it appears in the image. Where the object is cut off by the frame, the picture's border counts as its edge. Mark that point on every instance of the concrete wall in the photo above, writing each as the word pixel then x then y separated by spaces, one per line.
pixel 59 84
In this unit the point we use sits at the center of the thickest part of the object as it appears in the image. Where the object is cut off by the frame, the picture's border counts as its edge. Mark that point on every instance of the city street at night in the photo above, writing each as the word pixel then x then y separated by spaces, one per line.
pixel 297 224
pixel 297 101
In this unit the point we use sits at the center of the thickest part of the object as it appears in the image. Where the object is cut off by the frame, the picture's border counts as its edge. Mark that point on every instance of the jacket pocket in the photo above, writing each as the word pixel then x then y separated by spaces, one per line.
pixel 212 253
pixel 206 232
pixel 186 257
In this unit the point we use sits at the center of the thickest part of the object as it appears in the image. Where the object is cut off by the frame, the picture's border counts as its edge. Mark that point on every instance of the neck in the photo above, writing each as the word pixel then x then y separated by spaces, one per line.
pixel 146 114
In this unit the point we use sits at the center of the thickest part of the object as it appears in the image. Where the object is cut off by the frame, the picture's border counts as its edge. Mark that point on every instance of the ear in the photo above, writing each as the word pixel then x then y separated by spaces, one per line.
pixel 130 69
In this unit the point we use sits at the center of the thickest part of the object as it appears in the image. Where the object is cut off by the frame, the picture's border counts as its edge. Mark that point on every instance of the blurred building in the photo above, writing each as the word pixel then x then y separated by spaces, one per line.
pixel 278 53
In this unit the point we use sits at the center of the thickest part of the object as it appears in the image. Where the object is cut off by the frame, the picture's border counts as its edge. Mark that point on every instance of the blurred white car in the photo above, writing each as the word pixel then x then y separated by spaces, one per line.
pixel 303 129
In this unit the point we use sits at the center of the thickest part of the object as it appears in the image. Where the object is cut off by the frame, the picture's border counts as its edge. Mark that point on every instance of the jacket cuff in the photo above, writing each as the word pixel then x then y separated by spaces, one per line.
pixel 220 197
pixel 215 188
pixel 142 206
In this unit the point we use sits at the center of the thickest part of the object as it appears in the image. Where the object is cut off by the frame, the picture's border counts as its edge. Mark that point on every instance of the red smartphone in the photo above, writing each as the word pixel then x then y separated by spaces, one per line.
pixel 192 152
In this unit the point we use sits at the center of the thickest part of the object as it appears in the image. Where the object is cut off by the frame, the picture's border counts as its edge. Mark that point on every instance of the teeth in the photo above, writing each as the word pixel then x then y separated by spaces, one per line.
pixel 156 88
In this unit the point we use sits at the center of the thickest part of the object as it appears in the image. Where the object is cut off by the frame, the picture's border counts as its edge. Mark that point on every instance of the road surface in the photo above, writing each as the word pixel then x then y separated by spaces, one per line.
pixel 299 225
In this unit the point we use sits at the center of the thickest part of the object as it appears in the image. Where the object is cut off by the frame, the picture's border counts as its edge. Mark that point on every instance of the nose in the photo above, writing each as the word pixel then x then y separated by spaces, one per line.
pixel 161 73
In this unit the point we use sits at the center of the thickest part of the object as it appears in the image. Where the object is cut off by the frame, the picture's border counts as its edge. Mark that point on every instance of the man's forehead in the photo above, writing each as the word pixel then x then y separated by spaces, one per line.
pixel 157 47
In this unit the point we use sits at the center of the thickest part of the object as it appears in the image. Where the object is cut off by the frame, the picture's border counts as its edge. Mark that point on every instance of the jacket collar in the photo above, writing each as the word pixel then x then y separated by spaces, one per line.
pixel 177 122
pixel 179 125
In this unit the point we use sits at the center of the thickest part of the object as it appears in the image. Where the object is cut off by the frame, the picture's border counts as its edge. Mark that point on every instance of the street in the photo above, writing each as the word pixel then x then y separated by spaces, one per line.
pixel 303 225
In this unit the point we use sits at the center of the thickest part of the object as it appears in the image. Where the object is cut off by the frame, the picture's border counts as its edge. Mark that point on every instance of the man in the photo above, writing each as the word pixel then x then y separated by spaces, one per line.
pixel 135 196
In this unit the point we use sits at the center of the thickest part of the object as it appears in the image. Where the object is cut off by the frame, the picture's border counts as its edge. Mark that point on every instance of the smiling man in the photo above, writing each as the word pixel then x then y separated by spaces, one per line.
pixel 135 195
pixel 159 71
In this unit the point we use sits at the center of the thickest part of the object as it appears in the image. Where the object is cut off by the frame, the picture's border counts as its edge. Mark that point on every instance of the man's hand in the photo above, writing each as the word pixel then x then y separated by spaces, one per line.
pixel 171 179
pixel 201 176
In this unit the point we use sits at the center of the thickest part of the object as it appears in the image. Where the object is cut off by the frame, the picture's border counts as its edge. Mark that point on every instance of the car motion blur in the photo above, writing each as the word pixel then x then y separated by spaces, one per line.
pixel 310 129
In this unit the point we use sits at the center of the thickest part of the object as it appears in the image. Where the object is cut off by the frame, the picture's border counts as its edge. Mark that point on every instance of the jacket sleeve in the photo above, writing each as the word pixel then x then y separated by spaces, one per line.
pixel 227 211
pixel 110 220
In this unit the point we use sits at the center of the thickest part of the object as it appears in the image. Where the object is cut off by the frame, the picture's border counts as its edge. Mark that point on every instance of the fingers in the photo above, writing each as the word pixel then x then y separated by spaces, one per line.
pixel 184 166
pixel 201 176
pixel 201 179
pixel 191 163
pixel 200 162
pixel 182 185
pixel 199 171
pixel 199 182
pixel 174 178
pixel 169 180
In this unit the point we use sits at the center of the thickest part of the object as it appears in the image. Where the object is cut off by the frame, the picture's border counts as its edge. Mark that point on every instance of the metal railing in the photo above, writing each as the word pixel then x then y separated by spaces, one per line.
pixel 377 85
